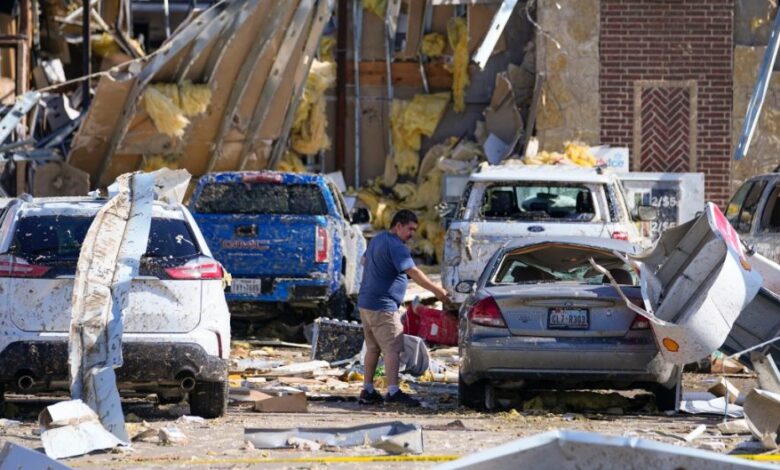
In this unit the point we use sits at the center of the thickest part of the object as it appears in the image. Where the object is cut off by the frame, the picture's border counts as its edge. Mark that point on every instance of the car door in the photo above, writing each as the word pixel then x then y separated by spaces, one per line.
pixel 765 238
pixel 353 244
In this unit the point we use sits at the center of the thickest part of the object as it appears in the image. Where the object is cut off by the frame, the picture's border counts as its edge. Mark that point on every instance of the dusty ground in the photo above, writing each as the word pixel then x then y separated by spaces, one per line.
pixel 448 430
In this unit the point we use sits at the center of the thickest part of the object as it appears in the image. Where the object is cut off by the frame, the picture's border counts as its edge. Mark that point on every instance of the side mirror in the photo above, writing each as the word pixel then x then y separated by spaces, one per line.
pixel 360 215
pixel 646 213
pixel 465 287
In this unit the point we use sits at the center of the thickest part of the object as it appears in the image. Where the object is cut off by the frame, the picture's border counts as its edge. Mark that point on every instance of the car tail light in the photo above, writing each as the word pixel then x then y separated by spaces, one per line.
pixel 262 178
pixel 321 245
pixel 12 266
pixel 618 235
pixel 640 323
pixel 201 268
pixel 486 313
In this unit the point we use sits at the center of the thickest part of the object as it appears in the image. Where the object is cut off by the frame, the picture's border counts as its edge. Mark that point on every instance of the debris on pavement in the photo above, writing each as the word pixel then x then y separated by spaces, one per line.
pixel 336 340
pixel 71 428
pixel 303 444
pixel 282 403
pixel 762 413
pixel 737 426
pixel 15 457
pixel 393 437
pixel 573 449
pixel 724 388
pixel 710 406
pixel 171 435
pixel 696 433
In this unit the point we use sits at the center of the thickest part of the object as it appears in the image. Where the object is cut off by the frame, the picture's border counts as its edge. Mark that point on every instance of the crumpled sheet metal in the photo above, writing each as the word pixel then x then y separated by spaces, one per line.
pixel 254 56
pixel 695 282
pixel 109 259
pixel 71 428
pixel 583 451
pixel 15 457
pixel 393 437
pixel 762 413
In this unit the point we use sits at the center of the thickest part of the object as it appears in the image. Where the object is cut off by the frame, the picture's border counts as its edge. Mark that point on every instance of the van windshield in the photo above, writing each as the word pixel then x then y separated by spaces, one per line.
pixel 539 201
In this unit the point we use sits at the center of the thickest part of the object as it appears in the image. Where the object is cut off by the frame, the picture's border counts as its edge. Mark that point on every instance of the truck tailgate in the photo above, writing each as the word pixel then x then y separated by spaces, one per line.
pixel 262 245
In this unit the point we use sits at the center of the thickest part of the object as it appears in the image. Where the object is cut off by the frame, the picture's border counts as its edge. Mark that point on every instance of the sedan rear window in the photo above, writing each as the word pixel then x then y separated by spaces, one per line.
pixel 60 237
pixel 561 263
pixel 536 201
pixel 261 198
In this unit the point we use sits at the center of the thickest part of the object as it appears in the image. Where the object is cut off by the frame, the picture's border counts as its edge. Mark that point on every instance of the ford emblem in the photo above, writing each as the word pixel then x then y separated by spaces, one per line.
pixel 536 228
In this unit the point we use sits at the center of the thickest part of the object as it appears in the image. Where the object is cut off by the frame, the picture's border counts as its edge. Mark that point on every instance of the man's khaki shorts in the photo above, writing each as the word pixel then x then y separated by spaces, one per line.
pixel 383 331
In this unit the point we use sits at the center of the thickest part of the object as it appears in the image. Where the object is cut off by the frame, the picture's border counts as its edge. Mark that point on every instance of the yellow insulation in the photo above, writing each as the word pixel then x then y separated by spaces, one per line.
pixel 291 162
pixel 327 44
pixel 458 36
pixel 166 116
pixel 310 124
pixel 376 7
pixel 574 153
pixel 433 44
pixel 155 162
pixel 104 45
pixel 194 99
pixel 409 121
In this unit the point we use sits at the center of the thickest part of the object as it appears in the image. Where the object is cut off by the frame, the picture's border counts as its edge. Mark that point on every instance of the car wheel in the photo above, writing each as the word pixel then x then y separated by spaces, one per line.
pixel 471 396
pixel 666 398
pixel 209 399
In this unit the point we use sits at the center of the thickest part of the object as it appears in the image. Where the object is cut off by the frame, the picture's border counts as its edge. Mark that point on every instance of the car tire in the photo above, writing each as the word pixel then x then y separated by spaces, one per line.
pixel 209 399
pixel 666 398
pixel 471 396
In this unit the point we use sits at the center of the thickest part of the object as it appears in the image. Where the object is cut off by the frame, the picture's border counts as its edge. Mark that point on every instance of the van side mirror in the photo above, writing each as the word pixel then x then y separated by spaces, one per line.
pixel 646 213
pixel 360 215
pixel 465 287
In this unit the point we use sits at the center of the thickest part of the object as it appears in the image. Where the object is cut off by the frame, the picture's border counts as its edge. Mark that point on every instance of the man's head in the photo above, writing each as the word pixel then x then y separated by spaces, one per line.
pixel 404 224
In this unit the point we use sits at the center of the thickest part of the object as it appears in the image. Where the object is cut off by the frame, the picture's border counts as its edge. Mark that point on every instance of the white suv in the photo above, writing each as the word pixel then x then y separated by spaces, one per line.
pixel 176 338
pixel 505 202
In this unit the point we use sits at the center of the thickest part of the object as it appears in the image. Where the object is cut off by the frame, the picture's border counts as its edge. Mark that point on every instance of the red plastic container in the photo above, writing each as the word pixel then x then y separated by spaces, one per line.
pixel 433 325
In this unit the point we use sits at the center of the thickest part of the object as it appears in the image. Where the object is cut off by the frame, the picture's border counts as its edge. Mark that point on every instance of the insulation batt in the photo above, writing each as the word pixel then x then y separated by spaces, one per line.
pixel 166 116
pixel 458 36
pixel 309 128
pixel 575 153
pixel 433 44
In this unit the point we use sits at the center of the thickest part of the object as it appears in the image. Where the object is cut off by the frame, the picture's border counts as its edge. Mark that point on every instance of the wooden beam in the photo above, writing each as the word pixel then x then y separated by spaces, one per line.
pixel 372 73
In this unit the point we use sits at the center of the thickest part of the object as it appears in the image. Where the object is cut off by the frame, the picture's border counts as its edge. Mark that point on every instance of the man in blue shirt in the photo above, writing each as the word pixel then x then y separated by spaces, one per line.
pixel 387 263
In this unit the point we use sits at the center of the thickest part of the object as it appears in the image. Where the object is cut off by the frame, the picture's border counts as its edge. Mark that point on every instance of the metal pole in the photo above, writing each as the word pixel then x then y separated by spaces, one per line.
pixel 341 84
pixel 167 14
pixel 86 57
pixel 357 43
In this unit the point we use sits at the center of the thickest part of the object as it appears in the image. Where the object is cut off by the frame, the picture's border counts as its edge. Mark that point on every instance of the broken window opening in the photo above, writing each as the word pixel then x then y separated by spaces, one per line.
pixel 534 201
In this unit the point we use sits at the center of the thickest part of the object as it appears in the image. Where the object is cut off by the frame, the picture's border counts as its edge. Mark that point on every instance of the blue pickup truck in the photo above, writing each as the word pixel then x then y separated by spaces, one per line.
pixel 285 238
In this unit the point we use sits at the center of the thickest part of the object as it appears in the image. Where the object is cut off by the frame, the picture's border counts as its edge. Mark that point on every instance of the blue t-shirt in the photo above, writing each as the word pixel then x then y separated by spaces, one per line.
pixel 384 280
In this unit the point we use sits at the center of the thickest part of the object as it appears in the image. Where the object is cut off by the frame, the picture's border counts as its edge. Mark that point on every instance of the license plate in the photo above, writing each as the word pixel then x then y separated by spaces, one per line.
pixel 560 318
pixel 245 286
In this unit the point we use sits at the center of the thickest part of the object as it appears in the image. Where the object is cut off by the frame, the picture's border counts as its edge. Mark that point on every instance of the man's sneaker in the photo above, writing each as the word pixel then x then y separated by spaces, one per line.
pixel 401 398
pixel 370 398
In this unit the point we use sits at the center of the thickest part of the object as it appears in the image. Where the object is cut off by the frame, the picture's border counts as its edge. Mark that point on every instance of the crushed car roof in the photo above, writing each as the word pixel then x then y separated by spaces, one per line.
pixel 558 173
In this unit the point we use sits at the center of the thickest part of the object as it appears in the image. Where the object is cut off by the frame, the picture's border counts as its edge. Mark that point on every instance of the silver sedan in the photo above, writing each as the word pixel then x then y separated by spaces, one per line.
pixel 541 316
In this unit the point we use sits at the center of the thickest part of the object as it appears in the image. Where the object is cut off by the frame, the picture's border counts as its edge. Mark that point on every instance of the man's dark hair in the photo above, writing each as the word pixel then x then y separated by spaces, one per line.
pixel 403 217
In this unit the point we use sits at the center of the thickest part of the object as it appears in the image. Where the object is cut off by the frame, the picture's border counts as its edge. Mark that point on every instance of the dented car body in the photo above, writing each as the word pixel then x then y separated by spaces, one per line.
pixel 503 203
pixel 285 238
pixel 541 316
pixel 176 336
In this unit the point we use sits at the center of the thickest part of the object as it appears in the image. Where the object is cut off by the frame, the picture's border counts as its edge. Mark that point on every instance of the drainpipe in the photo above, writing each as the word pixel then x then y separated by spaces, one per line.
pixel 341 84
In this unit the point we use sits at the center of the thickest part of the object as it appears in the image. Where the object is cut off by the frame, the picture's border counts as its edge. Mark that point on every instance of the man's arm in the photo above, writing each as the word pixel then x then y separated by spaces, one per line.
pixel 425 282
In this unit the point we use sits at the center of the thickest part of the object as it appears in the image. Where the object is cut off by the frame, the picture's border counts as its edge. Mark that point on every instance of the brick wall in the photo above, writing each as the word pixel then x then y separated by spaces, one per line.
pixel 670 58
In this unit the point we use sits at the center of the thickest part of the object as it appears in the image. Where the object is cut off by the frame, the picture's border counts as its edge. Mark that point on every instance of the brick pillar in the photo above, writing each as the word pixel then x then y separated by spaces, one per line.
pixel 666 85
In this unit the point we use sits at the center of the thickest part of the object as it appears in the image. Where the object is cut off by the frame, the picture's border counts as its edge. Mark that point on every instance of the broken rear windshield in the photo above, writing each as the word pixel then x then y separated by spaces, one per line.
pixel 61 237
pixel 261 198
pixel 535 201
